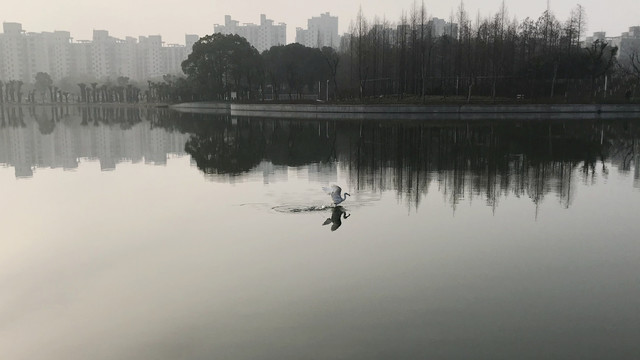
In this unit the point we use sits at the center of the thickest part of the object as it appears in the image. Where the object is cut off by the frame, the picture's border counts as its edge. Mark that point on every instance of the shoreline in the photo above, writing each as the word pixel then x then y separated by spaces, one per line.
pixel 414 112
pixel 324 111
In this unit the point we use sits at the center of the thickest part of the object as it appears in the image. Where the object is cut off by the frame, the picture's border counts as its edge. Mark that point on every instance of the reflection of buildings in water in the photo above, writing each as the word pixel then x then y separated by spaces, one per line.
pixel 26 147
pixel 16 150
pixel 323 172
pixel 106 147
pixel 266 170
pixel 272 173
pixel 157 144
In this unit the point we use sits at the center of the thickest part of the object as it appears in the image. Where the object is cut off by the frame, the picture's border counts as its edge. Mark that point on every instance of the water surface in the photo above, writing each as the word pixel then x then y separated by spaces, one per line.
pixel 148 234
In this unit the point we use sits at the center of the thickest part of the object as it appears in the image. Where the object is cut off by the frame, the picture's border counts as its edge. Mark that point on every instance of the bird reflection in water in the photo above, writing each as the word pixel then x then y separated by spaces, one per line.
pixel 337 214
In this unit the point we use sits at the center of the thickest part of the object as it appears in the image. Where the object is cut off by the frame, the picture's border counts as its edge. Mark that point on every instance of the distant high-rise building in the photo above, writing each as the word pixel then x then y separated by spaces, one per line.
pixel 102 54
pixel 173 56
pixel 262 36
pixel 13 53
pixel 81 58
pixel 189 40
pixel 321 31
pixel 59 48
pixel 150 56
pixel 441 27
pixel 630 43
pixel 24 54
pixel 598 35
pixel 126 54
pixel 626 42
pixel 36 55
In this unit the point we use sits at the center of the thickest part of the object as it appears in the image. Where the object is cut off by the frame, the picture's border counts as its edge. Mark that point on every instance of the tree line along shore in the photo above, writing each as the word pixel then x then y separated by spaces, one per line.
pixel 484 60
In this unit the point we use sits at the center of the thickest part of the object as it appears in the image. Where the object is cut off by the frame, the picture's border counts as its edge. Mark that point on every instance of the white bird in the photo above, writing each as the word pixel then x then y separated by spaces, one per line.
pixel 335 191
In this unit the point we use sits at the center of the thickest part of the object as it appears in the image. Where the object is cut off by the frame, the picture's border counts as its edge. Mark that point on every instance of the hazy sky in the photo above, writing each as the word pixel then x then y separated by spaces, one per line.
pixel 174 19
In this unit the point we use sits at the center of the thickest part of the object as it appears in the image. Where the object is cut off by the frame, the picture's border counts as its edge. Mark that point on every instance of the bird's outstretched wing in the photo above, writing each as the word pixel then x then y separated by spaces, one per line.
pixel 335 192
pixel 332 189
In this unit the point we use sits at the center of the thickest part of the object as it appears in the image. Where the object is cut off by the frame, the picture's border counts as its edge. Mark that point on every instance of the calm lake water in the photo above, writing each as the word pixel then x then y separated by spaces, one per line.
pixel 150 234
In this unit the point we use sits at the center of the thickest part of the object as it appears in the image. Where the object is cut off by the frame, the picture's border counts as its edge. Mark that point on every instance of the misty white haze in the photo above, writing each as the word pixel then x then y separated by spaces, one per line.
pixel 172 20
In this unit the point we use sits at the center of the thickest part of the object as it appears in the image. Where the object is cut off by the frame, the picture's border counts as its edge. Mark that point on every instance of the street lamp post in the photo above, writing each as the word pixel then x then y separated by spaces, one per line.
pixel 327 90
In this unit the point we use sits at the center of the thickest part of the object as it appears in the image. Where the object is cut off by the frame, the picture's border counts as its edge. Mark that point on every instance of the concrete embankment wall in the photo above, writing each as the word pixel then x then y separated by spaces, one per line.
pixel 203 107
pixel 525 111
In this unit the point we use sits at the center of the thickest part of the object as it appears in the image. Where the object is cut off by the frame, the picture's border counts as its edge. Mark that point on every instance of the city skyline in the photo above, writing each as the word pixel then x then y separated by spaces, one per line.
pixel 173 21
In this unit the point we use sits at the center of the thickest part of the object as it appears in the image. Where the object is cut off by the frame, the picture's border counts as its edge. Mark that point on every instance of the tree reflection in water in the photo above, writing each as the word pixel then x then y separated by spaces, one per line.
pixel 477 159
pixel 464 160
